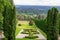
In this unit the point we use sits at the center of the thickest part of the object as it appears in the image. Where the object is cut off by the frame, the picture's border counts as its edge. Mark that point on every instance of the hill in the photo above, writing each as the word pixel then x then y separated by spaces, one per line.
pixel 25 9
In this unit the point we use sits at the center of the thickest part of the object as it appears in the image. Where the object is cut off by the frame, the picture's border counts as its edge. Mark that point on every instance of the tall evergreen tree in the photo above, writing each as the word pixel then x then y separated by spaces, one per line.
pixel 59 27
pixel 52 24
pixel 1 10
pixel 59 23
pixel 8 10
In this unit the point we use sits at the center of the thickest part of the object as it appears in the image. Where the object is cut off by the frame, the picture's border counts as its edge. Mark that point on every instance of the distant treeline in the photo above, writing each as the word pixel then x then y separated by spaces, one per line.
pixel 28 17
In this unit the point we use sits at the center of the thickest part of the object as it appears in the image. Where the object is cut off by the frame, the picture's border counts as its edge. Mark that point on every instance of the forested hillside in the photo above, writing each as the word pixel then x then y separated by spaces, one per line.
pixel 33 9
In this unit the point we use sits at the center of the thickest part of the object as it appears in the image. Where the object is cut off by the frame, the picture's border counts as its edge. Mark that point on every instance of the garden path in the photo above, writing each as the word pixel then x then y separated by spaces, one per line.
pixel 23 35
pixel 59 38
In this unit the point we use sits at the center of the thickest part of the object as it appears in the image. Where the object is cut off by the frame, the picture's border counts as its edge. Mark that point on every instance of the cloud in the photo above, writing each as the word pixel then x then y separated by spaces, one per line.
pixel 37 2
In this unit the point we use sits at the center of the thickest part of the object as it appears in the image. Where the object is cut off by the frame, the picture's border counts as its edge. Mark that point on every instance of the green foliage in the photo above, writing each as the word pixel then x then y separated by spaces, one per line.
pixel 31 23
pixel 1 10
pixel 19 24
pixel 41 24
pixel 26 31
pixel 31 37
pixel 1 18
pixel 59 23
pixel 1 21
pixel 8 12
pixel 52 24
pixel 59 27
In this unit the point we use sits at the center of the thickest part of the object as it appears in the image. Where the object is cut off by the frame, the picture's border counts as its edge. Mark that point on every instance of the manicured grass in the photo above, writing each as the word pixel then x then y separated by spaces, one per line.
pixel 25 39
pixel 44 34
pixel 17 30
pixel 22 39
pixel 26 26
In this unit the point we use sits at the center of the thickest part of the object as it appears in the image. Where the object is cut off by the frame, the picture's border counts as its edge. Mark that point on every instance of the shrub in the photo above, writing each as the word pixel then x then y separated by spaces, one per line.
pixel 30 22
pixel 19 24
pixel 31 37
pixel 33 31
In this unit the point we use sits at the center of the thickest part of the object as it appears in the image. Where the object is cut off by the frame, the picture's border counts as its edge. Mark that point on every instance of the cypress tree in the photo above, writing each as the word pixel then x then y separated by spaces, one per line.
pixel 59 27
pixel 59 23
pixel 52 24
pixel 9 20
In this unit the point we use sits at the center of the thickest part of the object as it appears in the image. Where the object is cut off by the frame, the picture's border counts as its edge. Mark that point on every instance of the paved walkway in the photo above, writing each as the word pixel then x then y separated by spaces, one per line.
pixel 23 35
pixel 59 38
pixel 1 36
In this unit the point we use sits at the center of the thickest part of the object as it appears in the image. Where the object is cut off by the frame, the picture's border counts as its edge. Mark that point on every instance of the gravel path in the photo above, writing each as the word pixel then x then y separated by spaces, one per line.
pixel 23 35
pixel 59 38
pixel 1 36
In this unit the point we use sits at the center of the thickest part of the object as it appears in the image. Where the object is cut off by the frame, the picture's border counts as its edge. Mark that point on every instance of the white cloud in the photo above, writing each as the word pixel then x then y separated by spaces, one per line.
pixel 37 2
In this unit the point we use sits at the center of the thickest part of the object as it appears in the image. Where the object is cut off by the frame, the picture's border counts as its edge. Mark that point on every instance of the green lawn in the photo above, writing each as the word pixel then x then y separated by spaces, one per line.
pixel 26 26
pixel 17 30
pixel 25 39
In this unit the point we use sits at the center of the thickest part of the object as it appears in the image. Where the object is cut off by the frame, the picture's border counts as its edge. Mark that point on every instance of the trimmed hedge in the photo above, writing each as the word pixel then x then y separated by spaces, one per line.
pixel 31 37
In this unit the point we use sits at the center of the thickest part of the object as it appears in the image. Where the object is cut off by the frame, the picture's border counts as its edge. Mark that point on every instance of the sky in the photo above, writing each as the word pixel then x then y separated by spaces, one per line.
pixel 38 2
